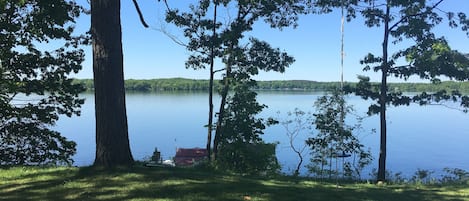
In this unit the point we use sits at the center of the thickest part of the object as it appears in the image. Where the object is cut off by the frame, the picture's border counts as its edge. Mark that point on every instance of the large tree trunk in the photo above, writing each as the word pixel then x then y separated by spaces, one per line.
pixel 112 141
pixel 383 100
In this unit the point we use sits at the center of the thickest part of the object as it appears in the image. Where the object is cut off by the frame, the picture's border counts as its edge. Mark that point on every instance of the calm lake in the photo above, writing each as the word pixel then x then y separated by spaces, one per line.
pixel 425 137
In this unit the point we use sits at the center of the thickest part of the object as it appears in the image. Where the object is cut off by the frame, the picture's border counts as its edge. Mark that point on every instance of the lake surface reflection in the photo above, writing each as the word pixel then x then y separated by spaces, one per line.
pixel 425 137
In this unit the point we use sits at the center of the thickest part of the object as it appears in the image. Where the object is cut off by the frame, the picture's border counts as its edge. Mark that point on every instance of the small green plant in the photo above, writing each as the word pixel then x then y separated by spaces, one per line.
pixel 455 175
pixel 392 178
pixel 423 177
pixel 336 144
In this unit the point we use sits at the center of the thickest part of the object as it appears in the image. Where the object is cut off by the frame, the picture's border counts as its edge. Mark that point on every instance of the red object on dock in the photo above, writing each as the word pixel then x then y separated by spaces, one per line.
pixel 188 157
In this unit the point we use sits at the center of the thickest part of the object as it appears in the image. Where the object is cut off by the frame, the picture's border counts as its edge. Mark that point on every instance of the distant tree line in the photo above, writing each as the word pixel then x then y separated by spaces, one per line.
pixel 183 84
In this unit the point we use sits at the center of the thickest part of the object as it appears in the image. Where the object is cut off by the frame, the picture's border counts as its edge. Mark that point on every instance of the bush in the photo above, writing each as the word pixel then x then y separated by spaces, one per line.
pixel 249 158
pixel 27 143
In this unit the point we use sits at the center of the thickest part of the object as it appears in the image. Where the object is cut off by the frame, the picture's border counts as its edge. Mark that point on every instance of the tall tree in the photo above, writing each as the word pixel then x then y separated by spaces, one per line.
pixel 207 52
pixel 211 39
pixel 38 51
pixel 112 141
pixel 240 146
pixel 428 58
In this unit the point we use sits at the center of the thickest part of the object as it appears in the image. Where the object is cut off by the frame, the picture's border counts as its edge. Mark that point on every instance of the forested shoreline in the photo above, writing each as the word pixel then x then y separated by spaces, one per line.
pixel 46 43
pixel 184 84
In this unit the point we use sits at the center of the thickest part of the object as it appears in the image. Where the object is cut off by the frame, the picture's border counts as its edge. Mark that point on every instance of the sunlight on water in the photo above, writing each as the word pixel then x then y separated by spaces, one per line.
pixel 425 137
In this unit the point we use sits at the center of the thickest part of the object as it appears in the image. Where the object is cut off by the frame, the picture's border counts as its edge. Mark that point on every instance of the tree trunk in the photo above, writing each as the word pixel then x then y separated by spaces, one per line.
pixel 383 100
pixel 210 87
pixel 210 115
pixel 298 152
pixel 297 170
pixel 221 113
pixel 112 142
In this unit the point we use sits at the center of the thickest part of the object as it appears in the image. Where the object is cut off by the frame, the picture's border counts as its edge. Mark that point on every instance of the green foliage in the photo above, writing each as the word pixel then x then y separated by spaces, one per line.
pixel 237 131
pixel 34 84
pixel 31 143
pixel 423 177
pixel 335 139
pixel 198 26
pixel 455 175
pixel 248 158
pixel 450 176
pixel 428 56
pixel 241 147
pixel 182 84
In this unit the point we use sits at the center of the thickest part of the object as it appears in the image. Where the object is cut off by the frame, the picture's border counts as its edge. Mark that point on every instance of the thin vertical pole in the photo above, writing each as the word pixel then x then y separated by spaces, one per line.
pixel 342 55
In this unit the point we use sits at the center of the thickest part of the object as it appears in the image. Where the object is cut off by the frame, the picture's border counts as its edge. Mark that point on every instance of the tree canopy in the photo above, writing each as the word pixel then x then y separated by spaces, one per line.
pixel 38 52
pixel 209 39
pixel 428 56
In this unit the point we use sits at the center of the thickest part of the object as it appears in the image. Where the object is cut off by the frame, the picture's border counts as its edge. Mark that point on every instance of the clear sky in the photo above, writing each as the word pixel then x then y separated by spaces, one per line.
pixel 315 44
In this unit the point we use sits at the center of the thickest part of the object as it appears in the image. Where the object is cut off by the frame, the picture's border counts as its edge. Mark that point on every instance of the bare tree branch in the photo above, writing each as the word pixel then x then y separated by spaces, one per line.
pixel 447 106
pixel 167 5
pixel 140 15
pixel 219 70
pixel 170 36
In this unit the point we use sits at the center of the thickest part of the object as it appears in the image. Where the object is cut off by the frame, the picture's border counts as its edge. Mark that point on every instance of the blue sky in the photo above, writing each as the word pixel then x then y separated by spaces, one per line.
pixel 315 44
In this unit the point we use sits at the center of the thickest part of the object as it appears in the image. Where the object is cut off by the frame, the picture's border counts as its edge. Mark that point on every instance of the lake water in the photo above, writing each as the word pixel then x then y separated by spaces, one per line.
pixel 425 137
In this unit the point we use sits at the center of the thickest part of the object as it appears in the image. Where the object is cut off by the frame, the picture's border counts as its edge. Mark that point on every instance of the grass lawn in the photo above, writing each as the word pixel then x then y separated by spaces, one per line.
pixel 141 183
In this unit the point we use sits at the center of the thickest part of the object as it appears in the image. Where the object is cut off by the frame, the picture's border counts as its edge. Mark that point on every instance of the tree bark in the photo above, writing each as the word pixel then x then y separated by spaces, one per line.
pixel 210 87
pixel 383 99
pixel 112 142
pixel 210 115
pixel 298 166
pixel 221 113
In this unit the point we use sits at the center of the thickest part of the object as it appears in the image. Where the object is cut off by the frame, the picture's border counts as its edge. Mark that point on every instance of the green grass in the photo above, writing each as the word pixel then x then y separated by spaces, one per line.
pixel 141 183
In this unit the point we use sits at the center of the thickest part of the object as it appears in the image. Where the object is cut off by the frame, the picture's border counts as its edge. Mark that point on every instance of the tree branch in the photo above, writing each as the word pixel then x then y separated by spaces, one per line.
pixel 219 70
pixel 447 106
pixel 140 15
pixel 166 4
pixel 170 36
pixel 414 15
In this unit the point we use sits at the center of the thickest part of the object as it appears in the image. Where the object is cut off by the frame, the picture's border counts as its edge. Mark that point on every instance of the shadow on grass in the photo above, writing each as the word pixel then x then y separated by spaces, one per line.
pixel 141 183
pixel 32 183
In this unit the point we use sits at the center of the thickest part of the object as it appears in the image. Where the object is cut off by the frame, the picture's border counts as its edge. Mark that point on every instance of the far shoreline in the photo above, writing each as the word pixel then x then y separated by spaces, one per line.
pixel 200 85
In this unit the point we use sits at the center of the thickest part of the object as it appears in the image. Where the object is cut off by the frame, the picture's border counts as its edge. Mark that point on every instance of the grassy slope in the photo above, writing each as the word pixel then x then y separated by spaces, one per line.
pixel 140 183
